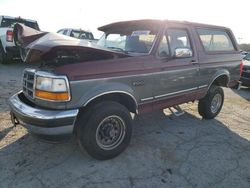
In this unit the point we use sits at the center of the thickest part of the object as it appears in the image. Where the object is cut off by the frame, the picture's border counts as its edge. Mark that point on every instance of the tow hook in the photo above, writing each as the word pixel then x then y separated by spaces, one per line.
pixel 14 120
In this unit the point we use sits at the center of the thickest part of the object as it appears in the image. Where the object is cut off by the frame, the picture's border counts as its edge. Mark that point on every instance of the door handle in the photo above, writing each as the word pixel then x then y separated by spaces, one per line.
pixel 194 62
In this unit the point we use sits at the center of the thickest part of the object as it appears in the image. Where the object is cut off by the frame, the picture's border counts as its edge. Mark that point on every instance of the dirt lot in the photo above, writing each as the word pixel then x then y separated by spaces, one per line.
pixel 164 152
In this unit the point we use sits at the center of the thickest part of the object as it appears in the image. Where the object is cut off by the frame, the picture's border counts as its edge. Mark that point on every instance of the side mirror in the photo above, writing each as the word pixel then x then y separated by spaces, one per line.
pixel 183 52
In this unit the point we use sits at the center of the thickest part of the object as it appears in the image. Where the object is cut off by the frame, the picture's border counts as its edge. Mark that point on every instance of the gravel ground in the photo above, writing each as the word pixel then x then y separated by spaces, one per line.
pixel 165 151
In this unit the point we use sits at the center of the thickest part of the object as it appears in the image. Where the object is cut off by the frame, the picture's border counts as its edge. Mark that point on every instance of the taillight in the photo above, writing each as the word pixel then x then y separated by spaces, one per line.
pixel 241 67
pixel 9 36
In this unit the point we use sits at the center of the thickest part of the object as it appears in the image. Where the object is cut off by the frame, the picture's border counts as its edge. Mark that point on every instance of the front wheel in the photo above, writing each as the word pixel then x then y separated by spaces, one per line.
pixel 210 106
pixel 105 130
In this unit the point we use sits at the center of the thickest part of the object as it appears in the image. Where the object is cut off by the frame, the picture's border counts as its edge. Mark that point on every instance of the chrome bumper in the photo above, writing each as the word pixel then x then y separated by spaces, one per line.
pixel 41 121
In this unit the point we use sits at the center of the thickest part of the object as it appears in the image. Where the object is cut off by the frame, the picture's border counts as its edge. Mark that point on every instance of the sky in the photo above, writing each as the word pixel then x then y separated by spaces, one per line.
pixel 53 15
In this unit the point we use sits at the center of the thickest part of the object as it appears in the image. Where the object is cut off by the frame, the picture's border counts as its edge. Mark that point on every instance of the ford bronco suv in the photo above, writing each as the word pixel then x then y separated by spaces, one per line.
pixel 136 67
pixel 8 50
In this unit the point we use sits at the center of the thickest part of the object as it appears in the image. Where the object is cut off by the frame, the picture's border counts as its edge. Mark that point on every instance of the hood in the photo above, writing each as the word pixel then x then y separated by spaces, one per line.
pixel 54 48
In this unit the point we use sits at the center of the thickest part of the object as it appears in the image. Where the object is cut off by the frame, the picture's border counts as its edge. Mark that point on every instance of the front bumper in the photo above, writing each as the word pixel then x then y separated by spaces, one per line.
pixel 41 121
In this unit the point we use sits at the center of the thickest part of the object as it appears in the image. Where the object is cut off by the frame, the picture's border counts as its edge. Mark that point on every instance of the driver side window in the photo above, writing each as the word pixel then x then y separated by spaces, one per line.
pixel 172 40
pixel 178 38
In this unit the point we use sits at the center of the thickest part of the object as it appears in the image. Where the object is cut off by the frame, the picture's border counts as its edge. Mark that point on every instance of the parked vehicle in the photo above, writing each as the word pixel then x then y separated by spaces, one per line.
pixel 245 77
pixel 78 33
pixel 136 67
pixel 8 50
pixel 243 53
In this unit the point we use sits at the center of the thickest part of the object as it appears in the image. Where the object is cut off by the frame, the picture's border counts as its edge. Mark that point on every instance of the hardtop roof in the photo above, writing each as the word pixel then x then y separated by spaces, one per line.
pixel 156 22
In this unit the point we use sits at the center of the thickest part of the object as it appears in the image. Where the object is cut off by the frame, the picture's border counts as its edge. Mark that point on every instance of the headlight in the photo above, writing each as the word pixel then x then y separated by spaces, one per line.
pixel 51 84
pixel 52 89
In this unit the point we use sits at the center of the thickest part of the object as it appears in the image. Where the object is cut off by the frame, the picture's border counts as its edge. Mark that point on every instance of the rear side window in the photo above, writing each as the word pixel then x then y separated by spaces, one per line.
pixel 215 40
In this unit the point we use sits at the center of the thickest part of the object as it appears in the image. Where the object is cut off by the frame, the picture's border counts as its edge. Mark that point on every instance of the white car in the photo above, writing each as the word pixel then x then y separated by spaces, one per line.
pixel 78 33
pixel 8 49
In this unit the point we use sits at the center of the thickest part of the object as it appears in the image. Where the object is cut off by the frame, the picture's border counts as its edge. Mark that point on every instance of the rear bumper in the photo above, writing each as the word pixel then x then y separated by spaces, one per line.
pixel 41 121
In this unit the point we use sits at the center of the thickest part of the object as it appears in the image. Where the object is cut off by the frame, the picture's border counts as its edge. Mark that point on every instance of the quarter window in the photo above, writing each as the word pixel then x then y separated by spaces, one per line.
pixel 215 40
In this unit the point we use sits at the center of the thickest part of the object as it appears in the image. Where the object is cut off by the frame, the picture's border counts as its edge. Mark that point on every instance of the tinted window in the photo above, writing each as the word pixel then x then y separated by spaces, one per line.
pixel 215 40
pixel 6 22
pixel 178 38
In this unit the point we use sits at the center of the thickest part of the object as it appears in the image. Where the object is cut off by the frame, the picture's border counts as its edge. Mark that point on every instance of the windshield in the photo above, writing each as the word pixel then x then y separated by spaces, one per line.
pixel 135 41
pixel 6 22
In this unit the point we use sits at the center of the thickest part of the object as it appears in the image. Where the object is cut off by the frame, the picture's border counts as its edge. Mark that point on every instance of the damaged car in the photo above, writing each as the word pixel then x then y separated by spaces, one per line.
pixel 138 66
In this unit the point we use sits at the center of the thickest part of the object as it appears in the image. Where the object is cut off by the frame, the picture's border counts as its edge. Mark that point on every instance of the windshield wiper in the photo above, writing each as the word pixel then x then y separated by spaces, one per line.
pixel 116 48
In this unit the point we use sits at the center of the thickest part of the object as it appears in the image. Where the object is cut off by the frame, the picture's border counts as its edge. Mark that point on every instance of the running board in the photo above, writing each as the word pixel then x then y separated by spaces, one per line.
pixel 176 110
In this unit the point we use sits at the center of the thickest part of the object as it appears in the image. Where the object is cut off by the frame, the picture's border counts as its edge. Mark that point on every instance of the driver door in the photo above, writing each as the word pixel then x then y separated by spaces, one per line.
pixel 178 73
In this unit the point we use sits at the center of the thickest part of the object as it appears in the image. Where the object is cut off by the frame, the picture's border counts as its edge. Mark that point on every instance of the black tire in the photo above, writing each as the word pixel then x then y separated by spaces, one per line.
pixel 96 125
pixel 210 106
pixel 3 56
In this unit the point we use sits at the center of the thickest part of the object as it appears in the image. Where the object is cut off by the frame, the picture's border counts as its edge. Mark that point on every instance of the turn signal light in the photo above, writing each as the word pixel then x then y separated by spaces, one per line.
pixel 62 96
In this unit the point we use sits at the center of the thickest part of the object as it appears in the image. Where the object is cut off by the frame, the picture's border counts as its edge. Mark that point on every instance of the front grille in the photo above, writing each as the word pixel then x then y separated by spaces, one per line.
pixel 28 83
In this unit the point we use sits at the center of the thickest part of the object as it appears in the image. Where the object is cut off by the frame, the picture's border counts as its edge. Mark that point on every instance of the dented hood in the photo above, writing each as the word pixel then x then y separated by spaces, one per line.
pixel 38 46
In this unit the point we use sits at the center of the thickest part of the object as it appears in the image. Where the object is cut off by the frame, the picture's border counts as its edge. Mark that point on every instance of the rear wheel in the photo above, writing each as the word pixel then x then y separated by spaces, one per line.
pixel 105 130
pixel 210 106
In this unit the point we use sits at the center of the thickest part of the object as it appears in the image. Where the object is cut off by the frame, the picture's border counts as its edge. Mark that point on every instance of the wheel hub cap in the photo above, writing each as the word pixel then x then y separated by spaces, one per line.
pixel 216 103
pixel 110 132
